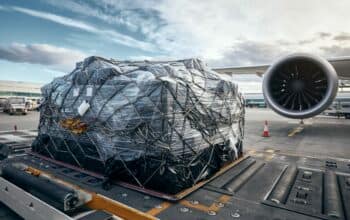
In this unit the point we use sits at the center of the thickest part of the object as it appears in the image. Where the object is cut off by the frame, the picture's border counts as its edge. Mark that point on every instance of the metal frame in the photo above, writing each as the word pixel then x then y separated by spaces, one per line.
pixel 26 205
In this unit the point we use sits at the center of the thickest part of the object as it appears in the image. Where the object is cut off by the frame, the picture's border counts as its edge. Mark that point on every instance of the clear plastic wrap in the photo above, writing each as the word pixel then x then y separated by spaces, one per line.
pixel 158 125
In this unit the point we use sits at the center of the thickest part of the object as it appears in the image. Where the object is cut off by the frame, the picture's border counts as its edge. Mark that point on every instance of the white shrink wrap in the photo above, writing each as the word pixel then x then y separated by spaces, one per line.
pixel 159 125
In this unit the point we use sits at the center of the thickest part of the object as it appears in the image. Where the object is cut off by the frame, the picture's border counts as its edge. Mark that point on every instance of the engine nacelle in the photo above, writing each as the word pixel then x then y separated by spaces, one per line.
pixel 300 85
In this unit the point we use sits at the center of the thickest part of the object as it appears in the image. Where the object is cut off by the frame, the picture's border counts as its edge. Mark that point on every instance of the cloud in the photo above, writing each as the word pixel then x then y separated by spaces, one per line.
pixel 213 29
pixel 320 36
pixel 342 37
pixel 134 15
pixel 324 34
pixel 111 35
pixel 222 32
pixel 336 50
pixel 57 19
pixel 62 59
pixel 246 53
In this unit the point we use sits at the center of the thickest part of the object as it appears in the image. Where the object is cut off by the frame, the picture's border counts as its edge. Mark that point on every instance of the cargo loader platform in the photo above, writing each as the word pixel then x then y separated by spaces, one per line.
pixel 261 185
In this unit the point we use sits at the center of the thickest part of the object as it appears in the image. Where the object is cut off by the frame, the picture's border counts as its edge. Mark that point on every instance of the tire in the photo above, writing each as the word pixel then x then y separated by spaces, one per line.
pixel 347 116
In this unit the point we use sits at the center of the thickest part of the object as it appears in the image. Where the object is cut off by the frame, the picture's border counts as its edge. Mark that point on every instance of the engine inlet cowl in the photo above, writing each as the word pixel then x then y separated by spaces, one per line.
pixel 300 85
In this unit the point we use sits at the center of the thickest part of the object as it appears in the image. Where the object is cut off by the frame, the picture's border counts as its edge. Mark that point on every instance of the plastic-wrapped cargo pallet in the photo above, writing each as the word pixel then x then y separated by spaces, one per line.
pixel 159 125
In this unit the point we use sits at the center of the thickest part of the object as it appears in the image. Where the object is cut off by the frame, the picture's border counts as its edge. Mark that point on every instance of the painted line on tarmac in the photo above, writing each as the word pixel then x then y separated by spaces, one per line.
pixel 260 153
pixel 296 130
pixel 301 127
pixel 11 137
pixel 30 132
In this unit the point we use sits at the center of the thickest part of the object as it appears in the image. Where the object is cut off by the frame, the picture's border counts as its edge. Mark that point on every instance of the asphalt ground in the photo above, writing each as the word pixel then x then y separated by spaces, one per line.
pixel 319 136
pixel 23 122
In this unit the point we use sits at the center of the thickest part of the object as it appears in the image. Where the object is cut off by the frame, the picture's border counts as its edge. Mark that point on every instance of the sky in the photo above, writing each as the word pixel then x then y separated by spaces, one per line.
pixel 43 39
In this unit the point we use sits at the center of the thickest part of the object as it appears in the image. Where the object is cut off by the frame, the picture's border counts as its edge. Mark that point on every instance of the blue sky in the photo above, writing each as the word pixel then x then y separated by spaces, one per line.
pixel 43 39
pixel 25 24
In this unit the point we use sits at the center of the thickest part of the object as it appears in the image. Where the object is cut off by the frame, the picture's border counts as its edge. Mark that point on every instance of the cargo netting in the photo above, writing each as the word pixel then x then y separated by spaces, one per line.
pixel 158 125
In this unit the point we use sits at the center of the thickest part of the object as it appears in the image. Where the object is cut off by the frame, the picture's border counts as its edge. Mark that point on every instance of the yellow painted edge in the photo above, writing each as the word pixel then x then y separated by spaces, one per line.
pixel 199 206
pixel 295 131
pixel 202 183
pixel 156 210
pixel 213 207
pixel 100 202
pixel 223 199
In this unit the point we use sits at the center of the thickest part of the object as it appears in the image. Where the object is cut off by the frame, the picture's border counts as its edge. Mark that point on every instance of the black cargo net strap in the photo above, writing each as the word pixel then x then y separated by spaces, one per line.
pixel 148 123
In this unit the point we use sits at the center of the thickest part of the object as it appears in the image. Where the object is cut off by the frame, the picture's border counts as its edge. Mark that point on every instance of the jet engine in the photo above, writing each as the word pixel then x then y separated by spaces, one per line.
pixel 300 85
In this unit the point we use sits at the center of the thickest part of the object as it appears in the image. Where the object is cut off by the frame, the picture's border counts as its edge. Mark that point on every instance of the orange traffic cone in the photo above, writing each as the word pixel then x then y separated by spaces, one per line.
pixel 266 132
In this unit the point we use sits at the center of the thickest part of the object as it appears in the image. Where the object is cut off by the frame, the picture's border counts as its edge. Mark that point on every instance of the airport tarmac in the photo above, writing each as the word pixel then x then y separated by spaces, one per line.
pixel 23 122
pixel 319 136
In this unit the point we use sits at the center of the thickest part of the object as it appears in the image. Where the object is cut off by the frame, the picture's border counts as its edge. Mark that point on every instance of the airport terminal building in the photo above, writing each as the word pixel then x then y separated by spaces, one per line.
pixel 18 88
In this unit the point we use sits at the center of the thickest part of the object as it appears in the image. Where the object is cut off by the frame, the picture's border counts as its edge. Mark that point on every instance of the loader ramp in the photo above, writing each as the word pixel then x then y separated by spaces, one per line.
pixel 262 185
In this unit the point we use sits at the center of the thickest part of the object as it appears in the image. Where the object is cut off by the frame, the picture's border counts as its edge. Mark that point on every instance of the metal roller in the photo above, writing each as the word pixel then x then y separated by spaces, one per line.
pixel 332 203
pixel 283 187
pixel 56 194
pixel 238 182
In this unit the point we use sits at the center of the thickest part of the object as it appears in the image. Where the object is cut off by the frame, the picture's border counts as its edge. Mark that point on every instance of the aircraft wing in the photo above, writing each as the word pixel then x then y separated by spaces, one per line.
pixel 341 65
pixel 258 70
